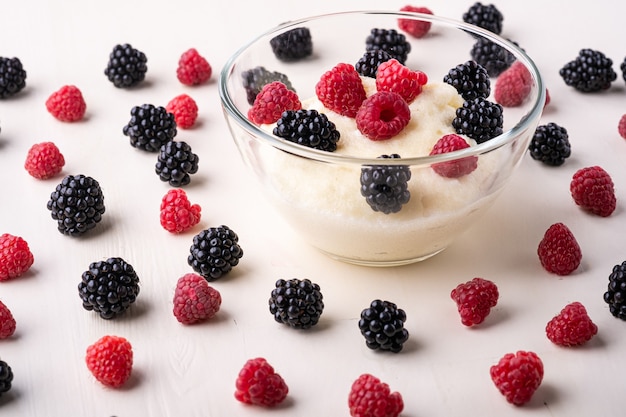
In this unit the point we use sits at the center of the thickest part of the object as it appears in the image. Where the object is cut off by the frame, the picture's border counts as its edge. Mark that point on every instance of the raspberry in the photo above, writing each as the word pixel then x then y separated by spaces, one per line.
pixel 592 189
pixel 308 128
pixel 470 79
pixel 479 119
pixel 415 28
pixel 558 251
pixel 517 376
pixel 390 41
pixel 513 85
pixel 621 126
pixel 184 109
pixel 258 384
pixel 571 327
pixel 370 397
pixel 292 45
pixel 382 326
pixel 254 79
pixel 485 16
pixel 109 287
pixel 110 360
pixel 615 295
pixel 6 377
pixel 193 68
pixel 453 169
pixel 383 115
pixel 395 77
pixel 474 300
pixel 150 127
pixel 214 252
pixel 195 300
pixel 7 322
pixel 44 160
pixel 297 303
pixel 67 104
pixel 177 213
pixel 127 66
pixel 550 144
pixel 385 187
pixel 176 163
pixel 15 256
pixel 273 99
pixel 341 90
pixel 589 72
pixel 12 77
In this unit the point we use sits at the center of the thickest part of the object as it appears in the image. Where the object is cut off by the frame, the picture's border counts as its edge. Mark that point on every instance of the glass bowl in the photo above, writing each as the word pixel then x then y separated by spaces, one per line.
pixel 319 192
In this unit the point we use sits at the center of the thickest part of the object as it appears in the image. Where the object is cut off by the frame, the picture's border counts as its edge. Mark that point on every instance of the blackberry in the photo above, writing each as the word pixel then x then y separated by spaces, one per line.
pixel 485 16
pixel 470 79
pixel 12 77
pixel 297 303
pixel 385 187
pixel 6 377
pixel 622 67
pixel 493 57
pixel 308 128
pixel 550 144
pixel 150 127
pixel 214 252
pixel 390 41
pixel 382 325
pixel 77 204
pixel 591 71
pixel 292 45
pixel 175 162
pixel 127 66
pixel 479 119
pixel 109 287
pixel 615 296
pixel 255 79
pixel 368 64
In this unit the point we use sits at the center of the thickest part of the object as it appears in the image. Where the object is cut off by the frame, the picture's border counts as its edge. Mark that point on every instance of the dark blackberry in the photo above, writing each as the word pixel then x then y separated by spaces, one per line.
pixel 385 187
pixel 615 296
pixel 12 77
pixel 127 66
pixel 622 67
pixel 175 163
pixel 292 45
pixel 150 127
pixel 308 128
pixel 382 325
pixel 470 79
pixel 109 287
pixel 214 252
pixel 485 16
pixel 368 64
pixel 591 71
pixel 550 144
pixel 77 204
pixel 479 119
pixel 6 377
pixel 256 78
pixel 297 303
pixel 493 57
pixel 390 41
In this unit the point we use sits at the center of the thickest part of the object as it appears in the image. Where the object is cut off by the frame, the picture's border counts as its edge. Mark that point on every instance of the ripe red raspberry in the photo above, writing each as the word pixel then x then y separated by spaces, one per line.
pixel 110 360
pixel 369 397
pixel 258 384
pixel 184 109
pixel 415 28
pixel 195 300
pixel 341 90
pixel 592 189
pixel 513 85
pixel 44 160
pixel 67 104
pixel 517 376
pixel 383 115
pixel 558 251
pixel 571 327
pixel 397 78
pixel 273 99
pixel 15 256
pixel 453 169
pixel 177 213
pixel 621 126
pixel 474 300
pixel 7 322
pixel 193 68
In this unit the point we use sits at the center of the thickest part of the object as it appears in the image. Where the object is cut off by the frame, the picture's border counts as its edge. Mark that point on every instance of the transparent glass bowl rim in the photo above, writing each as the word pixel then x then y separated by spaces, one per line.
pixel 329 157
